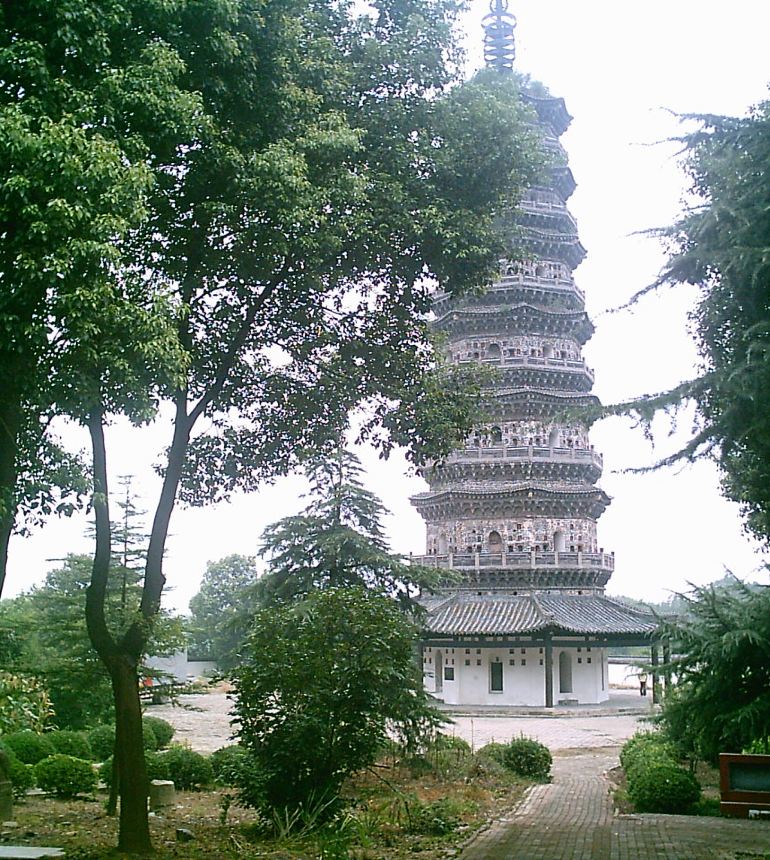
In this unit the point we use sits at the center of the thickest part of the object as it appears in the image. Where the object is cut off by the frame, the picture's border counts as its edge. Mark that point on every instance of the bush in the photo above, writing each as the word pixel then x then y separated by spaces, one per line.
pixel 149 739
pixel 645 745
pixel 450 742
pixel 162 730
pixel 485 767
pixel 22 776
pixel 342 670
pixel 189 769
pixel 435 818
pixel 524 756
pixel 71 743
pixel 65 775
pixel 228 764
pixel 102 741
pixel 154 762
pixel 29 747
pixel 662 786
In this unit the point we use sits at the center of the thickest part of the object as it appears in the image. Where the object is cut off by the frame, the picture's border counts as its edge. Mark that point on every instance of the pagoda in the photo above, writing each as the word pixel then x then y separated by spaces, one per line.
pixel 523 619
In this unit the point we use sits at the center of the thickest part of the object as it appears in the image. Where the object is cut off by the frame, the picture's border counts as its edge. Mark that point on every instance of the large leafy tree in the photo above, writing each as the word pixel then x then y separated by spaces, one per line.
pixel 303 175
pixel 56 648
pixel 221 610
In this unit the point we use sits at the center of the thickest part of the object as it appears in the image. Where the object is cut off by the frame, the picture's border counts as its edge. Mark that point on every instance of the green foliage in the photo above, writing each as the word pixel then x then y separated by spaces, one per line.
pixel 434 818
pixel 29 747
pixel 643 744
pixel 65 775
pixel 721 702
pixel 325 681
pixel 721 245
pixel 326 174
pixel 484 767
pixel 162 731
pixel 450 742
pixel 24 704
pixel 189 770
pixel 148 738
pixel 337 541
pixel 155 763
pixel 528 757
pixel 760 746
pixel 493 750
pixel 658 784
pixel 221 610
pixel 102 741
pixel 228 764
pixel 22 775
pixel 55 645
pixel 71 743
pixel 523 756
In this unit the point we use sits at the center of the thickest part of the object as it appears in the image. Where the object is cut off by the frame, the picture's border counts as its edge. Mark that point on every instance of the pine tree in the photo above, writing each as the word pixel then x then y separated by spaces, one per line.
pixel 338 540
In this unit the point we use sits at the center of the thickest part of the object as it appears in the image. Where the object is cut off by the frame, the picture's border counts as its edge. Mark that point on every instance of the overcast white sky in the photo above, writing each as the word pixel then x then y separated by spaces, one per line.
pixel 622 67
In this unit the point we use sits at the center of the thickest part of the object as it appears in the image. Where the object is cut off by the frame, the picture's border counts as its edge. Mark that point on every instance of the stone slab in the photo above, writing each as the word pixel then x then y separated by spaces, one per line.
pixel 28 852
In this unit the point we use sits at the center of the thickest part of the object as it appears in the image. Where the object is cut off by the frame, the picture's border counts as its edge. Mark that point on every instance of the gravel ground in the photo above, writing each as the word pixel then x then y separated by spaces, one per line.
pixel 203 721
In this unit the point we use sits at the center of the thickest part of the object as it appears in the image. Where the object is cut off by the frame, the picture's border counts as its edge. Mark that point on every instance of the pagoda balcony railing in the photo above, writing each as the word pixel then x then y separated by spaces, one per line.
pixel 548 207
pixel 568 364
pixel 542 282
pixel 526 452
pixel 519 560
pixel 533 280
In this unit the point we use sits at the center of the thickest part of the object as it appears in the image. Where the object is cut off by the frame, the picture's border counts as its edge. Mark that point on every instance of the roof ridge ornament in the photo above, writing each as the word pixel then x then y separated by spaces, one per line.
pixel 499 45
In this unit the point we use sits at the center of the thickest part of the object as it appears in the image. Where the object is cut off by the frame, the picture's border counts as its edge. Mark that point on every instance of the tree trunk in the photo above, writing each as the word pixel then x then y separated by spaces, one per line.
pixel 121 662
pixel 10 425
pixel 134 835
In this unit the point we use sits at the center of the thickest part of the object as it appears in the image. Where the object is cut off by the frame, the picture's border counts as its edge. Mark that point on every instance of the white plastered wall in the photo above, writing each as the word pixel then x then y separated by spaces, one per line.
pixel 523 675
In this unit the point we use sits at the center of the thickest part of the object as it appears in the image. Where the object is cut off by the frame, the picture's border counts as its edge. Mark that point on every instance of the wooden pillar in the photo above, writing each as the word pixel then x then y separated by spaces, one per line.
pixel 655 677
pixel 548 671
pixel 666 666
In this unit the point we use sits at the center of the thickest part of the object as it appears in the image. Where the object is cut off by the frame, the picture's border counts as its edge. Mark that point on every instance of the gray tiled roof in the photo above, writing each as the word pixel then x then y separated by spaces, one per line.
pixel 464 614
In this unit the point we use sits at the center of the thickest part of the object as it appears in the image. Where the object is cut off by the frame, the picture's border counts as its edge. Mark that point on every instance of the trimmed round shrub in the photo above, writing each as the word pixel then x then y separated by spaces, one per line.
pixel 102 741
pixel 645 745
pixel 71 743
pixel 22 775
pixel 528 757
pixel 662 786
pixel 65 775
pixel 494 751
pixel 189 769
pixel 149 739
pixel 161 729
pixel 228 764
pixel 29 747
pixel 450 742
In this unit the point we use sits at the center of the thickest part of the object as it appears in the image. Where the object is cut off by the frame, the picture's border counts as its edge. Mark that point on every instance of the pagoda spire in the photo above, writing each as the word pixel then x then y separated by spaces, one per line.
pixel 499 45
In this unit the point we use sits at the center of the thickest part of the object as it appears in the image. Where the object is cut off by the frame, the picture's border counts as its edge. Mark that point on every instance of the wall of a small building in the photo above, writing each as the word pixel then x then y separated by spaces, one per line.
pixel 523 675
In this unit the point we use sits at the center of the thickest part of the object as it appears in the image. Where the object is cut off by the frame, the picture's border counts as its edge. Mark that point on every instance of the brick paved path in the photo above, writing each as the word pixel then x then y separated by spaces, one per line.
pixel 572 819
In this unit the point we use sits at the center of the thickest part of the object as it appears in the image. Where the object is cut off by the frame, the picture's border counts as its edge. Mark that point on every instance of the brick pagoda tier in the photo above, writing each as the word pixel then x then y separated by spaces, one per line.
pixel 524 621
